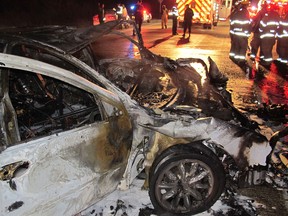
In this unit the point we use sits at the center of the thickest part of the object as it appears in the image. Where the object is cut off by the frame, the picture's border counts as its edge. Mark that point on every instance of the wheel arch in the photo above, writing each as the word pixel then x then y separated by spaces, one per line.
pixel 195 147
pixel 197 150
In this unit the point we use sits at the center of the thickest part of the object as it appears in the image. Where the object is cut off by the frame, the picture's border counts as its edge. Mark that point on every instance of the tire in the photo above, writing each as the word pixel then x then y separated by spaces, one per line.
pixel 186 181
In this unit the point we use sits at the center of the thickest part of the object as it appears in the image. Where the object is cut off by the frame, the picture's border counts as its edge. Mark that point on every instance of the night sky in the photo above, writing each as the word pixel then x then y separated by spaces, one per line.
pixel 66 12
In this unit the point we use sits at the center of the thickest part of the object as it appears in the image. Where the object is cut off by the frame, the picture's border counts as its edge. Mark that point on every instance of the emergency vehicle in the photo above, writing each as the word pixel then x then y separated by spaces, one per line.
pixel 206 12
pixel 253 8
pixel 277 4
pixel 225 9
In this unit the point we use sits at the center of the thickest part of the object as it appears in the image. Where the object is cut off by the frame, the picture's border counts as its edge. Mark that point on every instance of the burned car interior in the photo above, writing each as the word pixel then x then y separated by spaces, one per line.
pixel 45 106
pixel 175 119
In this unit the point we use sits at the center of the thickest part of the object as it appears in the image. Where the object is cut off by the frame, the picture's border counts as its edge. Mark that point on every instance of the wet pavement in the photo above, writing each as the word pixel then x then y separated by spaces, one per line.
pixel 249 89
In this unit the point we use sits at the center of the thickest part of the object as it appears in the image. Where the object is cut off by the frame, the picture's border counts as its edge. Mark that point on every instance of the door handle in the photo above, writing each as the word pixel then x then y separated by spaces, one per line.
pixel 8 171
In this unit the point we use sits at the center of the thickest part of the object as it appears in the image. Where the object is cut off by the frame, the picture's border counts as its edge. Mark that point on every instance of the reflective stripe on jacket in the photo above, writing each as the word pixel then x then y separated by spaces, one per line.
pixel 269 24
pixel 240 23
pixel 283 28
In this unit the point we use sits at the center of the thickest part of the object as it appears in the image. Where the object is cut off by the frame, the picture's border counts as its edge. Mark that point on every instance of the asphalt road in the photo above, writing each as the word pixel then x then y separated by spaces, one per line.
pixel 216 44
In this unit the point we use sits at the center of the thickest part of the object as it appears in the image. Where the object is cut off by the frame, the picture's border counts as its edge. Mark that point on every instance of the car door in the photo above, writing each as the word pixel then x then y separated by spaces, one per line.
pixel 64 140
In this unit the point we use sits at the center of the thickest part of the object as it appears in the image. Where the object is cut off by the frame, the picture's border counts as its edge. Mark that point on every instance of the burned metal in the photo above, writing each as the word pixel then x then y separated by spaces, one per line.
pixel 274 112
pixel 15 206
pixel 279 159
pixel 68 112
pixel 242 144
pixel 92 151
pixel 43 106
pixel 8 172
pixel 165 83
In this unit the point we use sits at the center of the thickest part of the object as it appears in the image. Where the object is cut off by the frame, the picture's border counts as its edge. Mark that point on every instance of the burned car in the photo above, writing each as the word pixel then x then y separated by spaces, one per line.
pixel 73 129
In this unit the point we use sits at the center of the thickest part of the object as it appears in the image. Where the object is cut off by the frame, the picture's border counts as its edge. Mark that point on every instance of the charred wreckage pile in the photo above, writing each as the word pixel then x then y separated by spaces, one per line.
pixel 177 87
pixel 187 135
pixel 189 86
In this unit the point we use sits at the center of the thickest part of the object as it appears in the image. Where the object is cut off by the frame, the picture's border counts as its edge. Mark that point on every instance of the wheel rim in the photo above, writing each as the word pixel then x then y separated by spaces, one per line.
pixel 184 185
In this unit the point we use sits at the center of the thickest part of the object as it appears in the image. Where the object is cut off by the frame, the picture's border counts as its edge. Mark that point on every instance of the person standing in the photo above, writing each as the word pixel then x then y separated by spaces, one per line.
pixel 164 17
pixel 282 38
pixel 101 13
pixel 139 13
pixel 119 11
pixel 125 12
pixel 174 20
pixel 268 28
pixel 255 42
pixel 240 28
pixel 234 9
pixel 188 16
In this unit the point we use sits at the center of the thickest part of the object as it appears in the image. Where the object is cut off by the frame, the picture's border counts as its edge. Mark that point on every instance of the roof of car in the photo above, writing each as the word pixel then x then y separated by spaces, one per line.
pixel 67 38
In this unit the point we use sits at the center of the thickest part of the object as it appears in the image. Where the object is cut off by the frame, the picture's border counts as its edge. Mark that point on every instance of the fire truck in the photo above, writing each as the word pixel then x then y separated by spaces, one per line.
pixel 206 12
pixel 278 4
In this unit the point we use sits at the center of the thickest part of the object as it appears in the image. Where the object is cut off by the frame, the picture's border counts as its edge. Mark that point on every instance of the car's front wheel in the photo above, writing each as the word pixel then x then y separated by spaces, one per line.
pixel 186 183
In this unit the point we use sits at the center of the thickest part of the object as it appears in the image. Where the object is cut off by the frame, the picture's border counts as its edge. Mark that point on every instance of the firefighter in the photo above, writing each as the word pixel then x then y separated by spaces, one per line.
pixel 139 15
pixel 268 28
pixel 282 38
pixel 255 42
pixel 125 13
pixel 164 17
pixel 188 16
pixel 119 11
pixel 240 29
pixel 174 20
pixel 100 12
pixel 233 11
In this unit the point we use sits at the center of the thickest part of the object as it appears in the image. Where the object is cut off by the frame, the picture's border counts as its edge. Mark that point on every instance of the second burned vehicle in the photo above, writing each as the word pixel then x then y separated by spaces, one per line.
pixel 69 126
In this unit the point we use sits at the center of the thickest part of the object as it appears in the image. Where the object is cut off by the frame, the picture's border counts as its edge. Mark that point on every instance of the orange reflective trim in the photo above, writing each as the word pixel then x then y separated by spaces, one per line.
pixel 202 7
pixel 181 5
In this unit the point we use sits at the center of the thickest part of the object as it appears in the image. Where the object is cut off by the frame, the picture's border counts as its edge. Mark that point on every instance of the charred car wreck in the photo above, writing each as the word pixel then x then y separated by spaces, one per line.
pixel 72 131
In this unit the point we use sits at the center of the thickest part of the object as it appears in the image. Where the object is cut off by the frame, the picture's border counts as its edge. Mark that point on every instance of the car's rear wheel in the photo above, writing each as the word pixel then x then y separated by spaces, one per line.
pixel 186 182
